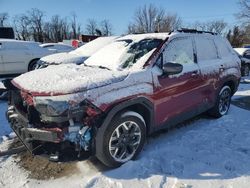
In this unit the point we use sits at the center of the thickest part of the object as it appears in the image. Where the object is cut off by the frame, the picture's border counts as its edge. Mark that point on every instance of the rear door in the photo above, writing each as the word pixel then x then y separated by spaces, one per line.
pixel 211 66
pixel 178 96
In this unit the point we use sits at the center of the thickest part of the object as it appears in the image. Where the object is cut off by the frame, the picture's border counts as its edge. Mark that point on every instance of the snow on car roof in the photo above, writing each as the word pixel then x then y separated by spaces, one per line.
pixel 91 47
pixel 138 37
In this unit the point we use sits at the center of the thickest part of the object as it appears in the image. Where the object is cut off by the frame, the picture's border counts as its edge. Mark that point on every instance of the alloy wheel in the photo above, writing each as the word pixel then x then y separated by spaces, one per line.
pixel 124 141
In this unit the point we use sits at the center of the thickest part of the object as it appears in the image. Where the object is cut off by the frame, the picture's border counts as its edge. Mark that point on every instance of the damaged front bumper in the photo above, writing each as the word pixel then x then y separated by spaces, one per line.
pixel 26 133
pixel 57 132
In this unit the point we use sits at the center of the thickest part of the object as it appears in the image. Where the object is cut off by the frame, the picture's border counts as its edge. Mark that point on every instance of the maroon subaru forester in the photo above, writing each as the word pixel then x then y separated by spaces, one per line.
pixel 124 92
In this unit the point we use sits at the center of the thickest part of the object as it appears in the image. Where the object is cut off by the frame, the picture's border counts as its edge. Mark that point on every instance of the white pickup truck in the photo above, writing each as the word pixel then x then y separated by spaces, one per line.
pixel 17 57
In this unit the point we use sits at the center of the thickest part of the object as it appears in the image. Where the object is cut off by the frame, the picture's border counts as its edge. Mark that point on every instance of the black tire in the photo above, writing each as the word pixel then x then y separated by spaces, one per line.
pixel 104 143
pixel 32 65
pixel 222 102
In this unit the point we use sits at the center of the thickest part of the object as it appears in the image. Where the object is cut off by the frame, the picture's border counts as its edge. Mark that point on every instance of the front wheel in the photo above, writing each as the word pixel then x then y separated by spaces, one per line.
pixel 222 103
pixel 32 65
pixel 122 140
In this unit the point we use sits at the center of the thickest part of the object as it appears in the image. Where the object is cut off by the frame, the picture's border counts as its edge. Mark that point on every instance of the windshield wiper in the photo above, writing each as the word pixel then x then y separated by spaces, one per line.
pixel 102 67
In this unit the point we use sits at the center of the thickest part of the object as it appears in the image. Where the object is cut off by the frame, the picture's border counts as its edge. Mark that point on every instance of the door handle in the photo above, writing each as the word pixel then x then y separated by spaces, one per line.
pixel 222 68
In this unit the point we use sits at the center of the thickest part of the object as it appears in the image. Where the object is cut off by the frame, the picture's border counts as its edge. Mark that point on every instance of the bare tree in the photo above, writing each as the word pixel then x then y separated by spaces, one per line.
pixel 3 17
pixel 36 19
pixel 65 29
pixel 148 19
pixel 236 37
pixel 74 26
pixel 244 13
pixel 91 26
pixel 21 26
pixel 217 26
pixel 170 22
pixel 106 28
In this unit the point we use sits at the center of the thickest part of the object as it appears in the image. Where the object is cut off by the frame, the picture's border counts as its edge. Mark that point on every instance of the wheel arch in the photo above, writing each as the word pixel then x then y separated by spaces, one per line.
pixel 140 105
pixel 232 84
pixel 31 61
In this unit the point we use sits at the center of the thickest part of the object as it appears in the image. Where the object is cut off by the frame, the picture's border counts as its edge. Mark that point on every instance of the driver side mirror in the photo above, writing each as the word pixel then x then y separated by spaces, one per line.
pixel 171 68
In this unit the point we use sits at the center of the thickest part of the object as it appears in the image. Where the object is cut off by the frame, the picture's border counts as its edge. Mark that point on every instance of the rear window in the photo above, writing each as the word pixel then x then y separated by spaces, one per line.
pixel 206 49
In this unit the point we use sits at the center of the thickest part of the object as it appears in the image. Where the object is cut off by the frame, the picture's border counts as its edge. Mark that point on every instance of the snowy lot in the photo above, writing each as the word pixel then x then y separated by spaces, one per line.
pixel 203 153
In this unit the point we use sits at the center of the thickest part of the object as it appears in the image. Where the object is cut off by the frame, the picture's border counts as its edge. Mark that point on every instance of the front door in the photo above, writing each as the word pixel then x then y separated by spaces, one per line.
pixel 178 96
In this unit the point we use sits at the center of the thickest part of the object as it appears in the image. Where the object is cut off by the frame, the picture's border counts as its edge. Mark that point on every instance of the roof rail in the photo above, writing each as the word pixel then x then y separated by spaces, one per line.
pixel 186 30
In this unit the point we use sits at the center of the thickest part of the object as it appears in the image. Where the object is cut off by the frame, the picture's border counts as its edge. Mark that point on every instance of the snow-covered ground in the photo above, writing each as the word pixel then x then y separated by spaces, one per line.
pixel 204 153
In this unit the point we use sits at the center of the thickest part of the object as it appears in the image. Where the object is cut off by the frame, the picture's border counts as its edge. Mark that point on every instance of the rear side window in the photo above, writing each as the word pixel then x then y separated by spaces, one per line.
pixel 206 49
pixel 222 46
pixel 179 51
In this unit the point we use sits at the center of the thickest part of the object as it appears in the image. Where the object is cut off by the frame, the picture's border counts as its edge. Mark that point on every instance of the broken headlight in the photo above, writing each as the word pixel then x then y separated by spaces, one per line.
pixel 51 108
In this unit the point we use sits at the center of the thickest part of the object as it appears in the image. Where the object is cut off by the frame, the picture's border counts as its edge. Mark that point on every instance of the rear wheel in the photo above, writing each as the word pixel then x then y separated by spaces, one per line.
pixel 123 139
pixel 222 103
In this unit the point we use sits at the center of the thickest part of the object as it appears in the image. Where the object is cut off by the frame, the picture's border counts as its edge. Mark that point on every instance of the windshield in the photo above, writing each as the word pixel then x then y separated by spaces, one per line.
pixel 122 54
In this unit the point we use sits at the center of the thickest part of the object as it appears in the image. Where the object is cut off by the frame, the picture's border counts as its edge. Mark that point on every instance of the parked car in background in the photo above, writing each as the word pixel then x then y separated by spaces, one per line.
pixel 244 54
pixel 77 56
pixel 17 56
pixel 7 33
pixel 57 47
pixel 132 87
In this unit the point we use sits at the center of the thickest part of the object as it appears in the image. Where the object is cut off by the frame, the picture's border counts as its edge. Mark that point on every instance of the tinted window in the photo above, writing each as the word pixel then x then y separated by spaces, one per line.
pixel 179 51
pixel 206 49
pixel 7 33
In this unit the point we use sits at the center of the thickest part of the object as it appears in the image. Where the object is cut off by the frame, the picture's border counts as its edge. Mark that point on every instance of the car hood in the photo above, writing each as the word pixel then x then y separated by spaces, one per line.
pixel 66 79
pixel 63 58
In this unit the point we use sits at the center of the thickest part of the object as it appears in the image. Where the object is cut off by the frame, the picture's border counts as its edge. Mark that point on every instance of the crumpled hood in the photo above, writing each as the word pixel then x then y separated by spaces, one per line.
pixel 65 79
pixel 63 58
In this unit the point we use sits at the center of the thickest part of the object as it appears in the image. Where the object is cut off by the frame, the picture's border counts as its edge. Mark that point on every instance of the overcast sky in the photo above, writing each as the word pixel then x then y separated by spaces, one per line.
pixel 120 12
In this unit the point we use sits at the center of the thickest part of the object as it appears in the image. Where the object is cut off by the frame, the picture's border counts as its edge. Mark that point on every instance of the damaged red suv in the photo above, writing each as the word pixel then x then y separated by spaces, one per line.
pixel 129 89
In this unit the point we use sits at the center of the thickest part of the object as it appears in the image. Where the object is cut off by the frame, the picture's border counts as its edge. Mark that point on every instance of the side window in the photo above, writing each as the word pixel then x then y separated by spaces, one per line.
pixel 222 47
pixel 179 51
pixel 206 49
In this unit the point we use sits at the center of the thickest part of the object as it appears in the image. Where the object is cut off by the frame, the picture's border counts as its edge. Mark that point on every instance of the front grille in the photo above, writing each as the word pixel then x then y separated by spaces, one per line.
pixel 17 101
pixel 29 112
